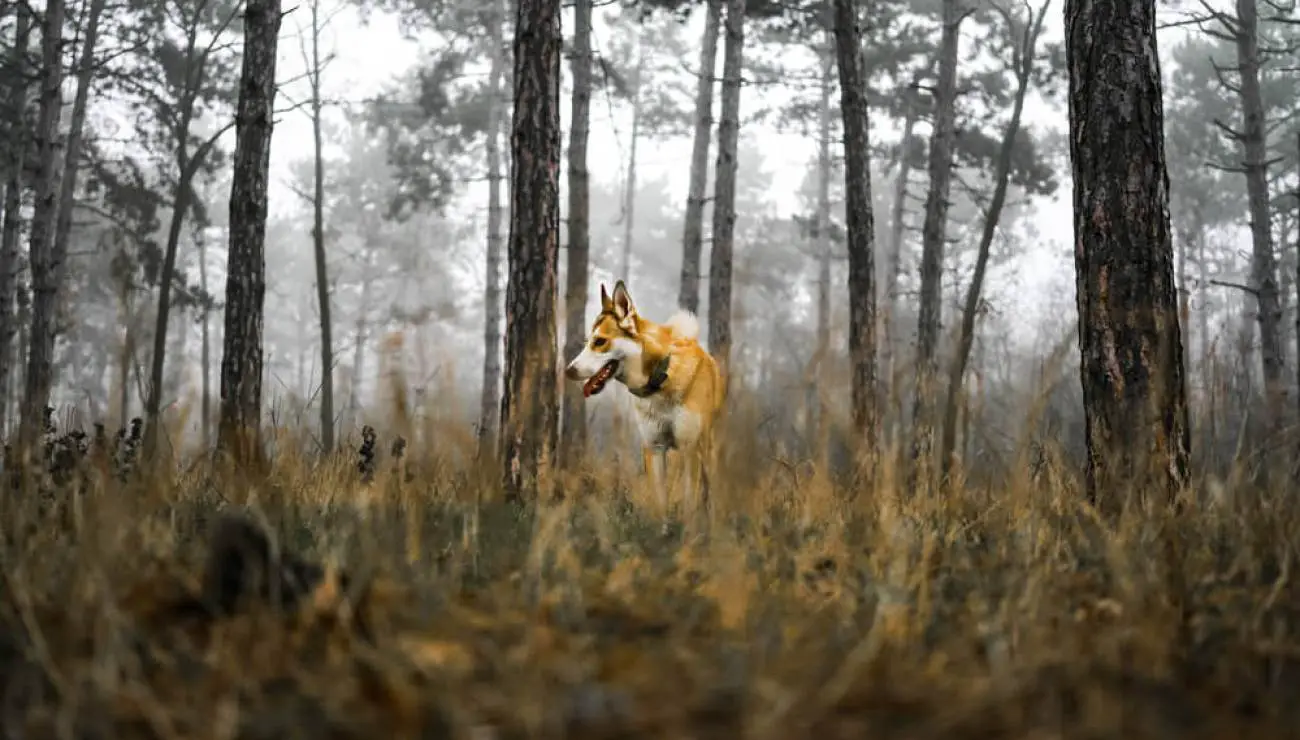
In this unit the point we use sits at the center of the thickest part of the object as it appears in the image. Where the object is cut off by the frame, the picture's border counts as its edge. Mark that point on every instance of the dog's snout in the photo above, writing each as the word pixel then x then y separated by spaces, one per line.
pixel 571 372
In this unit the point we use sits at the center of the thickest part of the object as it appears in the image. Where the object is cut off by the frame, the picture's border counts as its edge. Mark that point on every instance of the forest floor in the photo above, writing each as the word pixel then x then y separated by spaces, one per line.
pixel 440 612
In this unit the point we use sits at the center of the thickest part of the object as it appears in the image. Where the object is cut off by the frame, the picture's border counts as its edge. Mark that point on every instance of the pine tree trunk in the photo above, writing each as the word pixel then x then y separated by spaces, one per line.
pixel 1024 59
pixel 1263 261
pixel 490 401
pixel 241 359
pixel 724 198
pixel 629 190
pixel 318 244
pixel 817 370
pixel 46 272
pixel 933 236
pixel 574 426
pixel 205 415
pixel 15 150
pixel 529 407
pixel 1129 338
pixel 855 112
pixel 894 265
pixel 693 233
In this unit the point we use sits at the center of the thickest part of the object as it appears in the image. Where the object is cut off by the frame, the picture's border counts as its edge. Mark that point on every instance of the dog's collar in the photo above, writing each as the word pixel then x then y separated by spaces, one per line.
pixel 658 377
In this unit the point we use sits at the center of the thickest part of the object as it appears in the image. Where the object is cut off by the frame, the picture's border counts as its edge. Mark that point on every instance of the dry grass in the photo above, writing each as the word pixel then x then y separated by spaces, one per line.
pixel 804 612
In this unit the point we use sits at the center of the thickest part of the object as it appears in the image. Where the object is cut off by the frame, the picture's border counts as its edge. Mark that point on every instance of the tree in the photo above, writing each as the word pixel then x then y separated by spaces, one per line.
pixel 574 423
pixel 529 417
pixel 861 222
pixel 724 199
pixel 490 399
pixel 46 268
pixel 1129 336
pixel 933 236
pixel 1022 34
pixel 693 230
pixel 241 358
pixel 15 127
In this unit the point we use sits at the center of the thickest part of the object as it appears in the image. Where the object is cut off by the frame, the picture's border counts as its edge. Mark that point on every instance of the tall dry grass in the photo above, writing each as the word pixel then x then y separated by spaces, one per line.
pixel 800 607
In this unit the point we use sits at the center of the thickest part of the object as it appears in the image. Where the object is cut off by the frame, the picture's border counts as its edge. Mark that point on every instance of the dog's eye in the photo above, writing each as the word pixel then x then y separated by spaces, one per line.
pixel 598 342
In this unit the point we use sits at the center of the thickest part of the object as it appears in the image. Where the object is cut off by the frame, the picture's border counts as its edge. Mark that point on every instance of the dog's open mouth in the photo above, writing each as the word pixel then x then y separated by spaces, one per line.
pixel 596 383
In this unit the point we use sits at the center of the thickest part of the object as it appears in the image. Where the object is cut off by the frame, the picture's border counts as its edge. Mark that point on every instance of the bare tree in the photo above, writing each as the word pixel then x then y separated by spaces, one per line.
pixel 1129 337
pixel 46 274
pixel 861 221
pixel 574 424
pixel 490 401
pixel 15 151
pixel 693 233
pixel 529 413
pixel 241 358
pixel 933 236
pixel 724 200
pixel 1024 40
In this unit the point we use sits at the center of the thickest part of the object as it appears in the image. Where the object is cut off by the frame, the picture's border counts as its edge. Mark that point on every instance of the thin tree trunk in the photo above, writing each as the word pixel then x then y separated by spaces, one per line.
pixel 46 271
pixel 16 152
pixel 1129 338
pixel 816 398
pixel 318 243
pixel 933 235
pixel 205 416
pixel 490 401
pixel 629 192
pixel 574 425
pixel 529 413
pixel 894 258
pixel 1253 140
pixel 1023 60
pixel 855 111
pixel 693 232
pixel 241 359
pixel 724 199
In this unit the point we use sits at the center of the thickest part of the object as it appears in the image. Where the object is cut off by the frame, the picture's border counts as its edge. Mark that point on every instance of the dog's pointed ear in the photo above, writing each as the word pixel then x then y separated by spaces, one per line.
pixel 624 309
pixel 606 304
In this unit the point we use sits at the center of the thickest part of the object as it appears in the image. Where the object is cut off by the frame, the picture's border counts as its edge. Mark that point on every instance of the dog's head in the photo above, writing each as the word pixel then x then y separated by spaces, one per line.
pixel 613 341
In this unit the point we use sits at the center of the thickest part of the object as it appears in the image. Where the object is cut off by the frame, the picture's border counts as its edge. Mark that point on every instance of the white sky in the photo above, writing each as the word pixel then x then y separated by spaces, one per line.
pixel 360 69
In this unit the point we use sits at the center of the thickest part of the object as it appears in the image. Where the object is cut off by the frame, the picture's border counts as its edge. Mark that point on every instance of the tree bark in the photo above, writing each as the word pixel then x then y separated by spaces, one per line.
pixel 629 190
pixel 724 197
pixel 16 151
pixel 529 413
pixel 816 405
pixel 1263 262
pixel 205 360
pixel 574 424
pixel 241 359
pixel 1023 60
pixel 1129 337
pixel 693 232
pixel 855 111
pixel 933 236
pixel 318 243
pixel 46 270
pixel 490 400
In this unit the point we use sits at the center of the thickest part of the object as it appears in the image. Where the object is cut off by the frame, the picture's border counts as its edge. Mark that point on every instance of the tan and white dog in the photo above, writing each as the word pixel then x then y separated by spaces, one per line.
pixel 676 385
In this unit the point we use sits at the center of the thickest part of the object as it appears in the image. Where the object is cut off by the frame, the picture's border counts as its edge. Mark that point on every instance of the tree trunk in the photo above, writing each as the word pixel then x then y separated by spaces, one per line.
pixel 724 196
pixel 205 414
pixel 693 233
pixel 629 191
pixel 855 112
pixel 241 358
pixel 1253 140
pixel 490 401
pixel 318 243
pixel 1024 53
pixel 816 405
pixel 1129 337
pixel 529 413
pixel 894 265
pixel 46 269
pixel 16 152
pixel 933 236
pixel 574 424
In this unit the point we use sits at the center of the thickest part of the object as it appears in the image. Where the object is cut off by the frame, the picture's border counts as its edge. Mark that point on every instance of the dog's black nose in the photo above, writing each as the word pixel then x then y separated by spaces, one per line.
pixel 571 372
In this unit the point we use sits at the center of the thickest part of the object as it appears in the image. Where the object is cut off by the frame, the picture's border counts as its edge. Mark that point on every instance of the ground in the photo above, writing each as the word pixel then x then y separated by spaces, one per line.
pixel 437 611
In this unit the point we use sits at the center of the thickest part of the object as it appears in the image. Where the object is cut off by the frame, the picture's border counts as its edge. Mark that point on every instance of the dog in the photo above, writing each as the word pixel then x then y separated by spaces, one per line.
pixel 677 387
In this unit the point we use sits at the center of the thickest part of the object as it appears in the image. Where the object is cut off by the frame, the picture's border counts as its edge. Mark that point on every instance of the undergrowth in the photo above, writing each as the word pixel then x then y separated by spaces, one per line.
pixel 427 607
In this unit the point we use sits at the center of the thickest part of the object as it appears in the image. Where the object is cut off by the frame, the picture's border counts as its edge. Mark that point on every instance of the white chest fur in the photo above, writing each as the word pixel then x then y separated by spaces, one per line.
pixel 664 423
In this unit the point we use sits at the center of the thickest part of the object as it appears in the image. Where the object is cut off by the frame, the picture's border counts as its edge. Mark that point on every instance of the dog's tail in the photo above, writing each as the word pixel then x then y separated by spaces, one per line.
pixel 684 325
